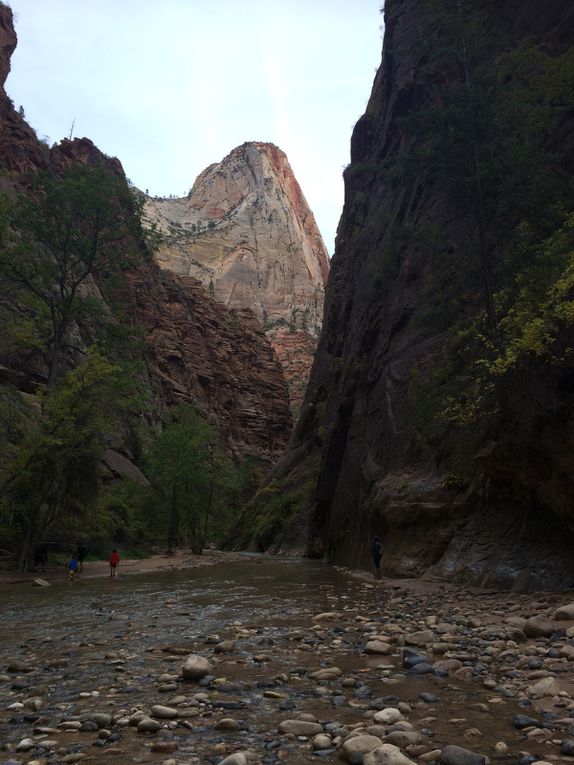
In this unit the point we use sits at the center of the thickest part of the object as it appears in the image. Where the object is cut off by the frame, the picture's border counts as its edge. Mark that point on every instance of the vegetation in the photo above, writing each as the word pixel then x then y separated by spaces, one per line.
pixel 484 135
pixel 65 246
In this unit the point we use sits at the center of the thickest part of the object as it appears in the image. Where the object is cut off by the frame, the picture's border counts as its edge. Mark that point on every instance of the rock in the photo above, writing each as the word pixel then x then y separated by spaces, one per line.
pixel 226 646
pixel 567 746
pixel 148 725
pixel 196 667
pixel 227 723
pixel 403 738
pixel 300 727
pixel 322 741
pixel 102 719
pixel 423 637
pixel 41 583
pixel 25 745
pixel 164 713
pixel 328 673
pixel 411 658
pixel 456 755
pixel 565 612
pixel 361 743
pixel 538 626
pixel 388 716
pixel 548 686
pixel 243 226
pixel 237 758
pixel 523 721
pixel 378 647
pixel 387 754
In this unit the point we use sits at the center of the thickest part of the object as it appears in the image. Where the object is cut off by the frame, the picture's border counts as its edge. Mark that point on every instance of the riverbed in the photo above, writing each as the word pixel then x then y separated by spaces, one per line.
pixel 304 659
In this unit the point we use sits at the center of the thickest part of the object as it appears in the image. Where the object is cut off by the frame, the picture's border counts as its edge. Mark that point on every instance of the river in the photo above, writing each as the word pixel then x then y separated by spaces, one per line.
pixel 113 648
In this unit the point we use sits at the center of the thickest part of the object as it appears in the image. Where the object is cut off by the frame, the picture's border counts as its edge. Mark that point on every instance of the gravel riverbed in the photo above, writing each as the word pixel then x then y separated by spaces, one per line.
pixel 283 662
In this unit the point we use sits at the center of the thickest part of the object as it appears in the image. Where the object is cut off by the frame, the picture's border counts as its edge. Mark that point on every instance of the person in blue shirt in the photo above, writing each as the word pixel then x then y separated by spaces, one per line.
pixel 73 567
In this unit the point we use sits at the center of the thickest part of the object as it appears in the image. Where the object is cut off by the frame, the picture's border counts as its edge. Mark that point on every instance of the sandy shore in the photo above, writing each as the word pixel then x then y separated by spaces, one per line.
pixel 182 559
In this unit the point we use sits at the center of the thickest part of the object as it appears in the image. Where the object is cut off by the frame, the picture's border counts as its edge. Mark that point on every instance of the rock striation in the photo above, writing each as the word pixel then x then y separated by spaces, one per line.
pixel 510 522
pixel 246 232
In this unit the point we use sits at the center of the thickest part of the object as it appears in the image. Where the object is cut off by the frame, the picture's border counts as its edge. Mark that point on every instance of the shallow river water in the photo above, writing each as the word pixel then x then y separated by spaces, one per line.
pixel 115 647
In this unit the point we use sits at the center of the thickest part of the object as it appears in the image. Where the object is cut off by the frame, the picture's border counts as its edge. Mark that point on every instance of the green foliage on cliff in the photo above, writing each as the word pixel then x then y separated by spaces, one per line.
pixel 490 133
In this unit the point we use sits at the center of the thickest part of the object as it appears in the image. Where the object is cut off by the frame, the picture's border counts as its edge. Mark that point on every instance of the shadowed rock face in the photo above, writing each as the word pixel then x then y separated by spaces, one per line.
pixel 512 523
pixel 247 233
pixel 197 349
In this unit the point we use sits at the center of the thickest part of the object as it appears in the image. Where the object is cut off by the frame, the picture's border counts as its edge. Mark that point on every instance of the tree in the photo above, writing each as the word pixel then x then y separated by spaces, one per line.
pixel 54 473
pixel 63 236
pixel 193 481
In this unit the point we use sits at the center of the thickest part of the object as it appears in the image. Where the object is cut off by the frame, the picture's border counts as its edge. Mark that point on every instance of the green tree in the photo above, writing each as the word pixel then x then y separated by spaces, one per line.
pixel 54 473
pixel 193 482
pixel 60 239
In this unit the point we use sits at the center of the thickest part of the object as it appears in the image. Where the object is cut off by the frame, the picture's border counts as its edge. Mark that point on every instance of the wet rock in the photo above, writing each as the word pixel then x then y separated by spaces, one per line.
pixel 538 626
pixel 422 668
pixel 25 745
pixel 286 705
pixel 164 713
pixel 196 667
pixel 378 647
pixel 387 754
pixel 327 673
pixel 148 725
pixel 300 727
pixel 88 726
pixel 456 755
pixel 226 646
pixel 362 743
pixel 567 746
pixel 523 721
pixel 428 698
pixel 403 738
pixel 411 658
pixel 41 583
pixel 227 723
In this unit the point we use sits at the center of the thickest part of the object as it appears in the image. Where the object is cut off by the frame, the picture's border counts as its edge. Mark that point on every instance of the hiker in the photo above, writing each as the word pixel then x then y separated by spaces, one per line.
pixel 41 556
pixel 81 552
pixel 377 553
pixel 114 562
pixel 73 567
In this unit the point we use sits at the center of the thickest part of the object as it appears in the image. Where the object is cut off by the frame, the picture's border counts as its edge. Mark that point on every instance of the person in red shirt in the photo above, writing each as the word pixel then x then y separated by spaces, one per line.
pixel 114 562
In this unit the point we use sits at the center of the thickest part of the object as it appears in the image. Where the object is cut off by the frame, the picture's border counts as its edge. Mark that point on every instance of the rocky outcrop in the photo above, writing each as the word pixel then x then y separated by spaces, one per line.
pixel 196 348
pixel 246 232
pixel 509 520
pixel 200 351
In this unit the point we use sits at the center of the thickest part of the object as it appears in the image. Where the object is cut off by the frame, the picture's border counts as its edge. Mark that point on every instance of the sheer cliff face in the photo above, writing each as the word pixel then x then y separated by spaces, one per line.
pixel 246 232
pixel 512 521
pixel 196 348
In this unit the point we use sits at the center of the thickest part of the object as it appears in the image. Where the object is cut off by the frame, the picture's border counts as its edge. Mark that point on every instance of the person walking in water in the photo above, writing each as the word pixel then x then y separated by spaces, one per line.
pixel 377 553
pixel 114 562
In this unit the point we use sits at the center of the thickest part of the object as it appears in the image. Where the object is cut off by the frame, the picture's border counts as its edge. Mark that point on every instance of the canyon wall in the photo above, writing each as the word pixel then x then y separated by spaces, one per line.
pixel 196 348
pixel 246 232
pixel 488 501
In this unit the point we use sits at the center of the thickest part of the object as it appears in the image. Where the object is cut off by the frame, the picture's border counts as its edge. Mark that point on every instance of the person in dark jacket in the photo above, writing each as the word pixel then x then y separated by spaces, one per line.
pixel 81 552
pixel 377 553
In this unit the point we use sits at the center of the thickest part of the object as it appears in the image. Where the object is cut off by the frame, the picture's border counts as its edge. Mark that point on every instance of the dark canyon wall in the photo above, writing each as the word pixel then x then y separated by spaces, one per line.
pixel 459 483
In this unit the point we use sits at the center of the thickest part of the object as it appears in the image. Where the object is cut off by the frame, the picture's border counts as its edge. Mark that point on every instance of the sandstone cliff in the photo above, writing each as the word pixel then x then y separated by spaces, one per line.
pixel 489 501
pixel 247 233
pixel 197 349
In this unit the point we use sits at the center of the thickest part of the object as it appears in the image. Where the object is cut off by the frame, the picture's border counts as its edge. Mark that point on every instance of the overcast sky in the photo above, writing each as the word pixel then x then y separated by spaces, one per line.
pixel 171 86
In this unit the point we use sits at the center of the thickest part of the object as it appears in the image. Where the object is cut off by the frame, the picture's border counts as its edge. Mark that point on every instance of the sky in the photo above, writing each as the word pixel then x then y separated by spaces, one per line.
pixel 172 86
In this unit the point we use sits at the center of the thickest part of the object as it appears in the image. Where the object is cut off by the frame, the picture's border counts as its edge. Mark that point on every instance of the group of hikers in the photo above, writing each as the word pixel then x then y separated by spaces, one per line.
pixel 76 564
